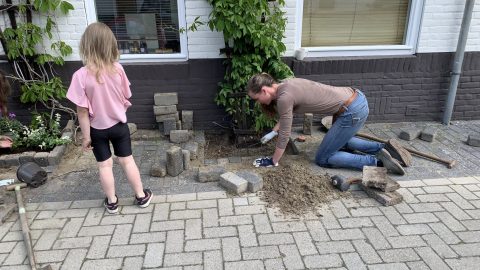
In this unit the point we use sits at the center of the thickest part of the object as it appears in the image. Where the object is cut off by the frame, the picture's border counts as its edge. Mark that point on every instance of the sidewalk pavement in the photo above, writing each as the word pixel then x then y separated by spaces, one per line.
pixel 190 225
pixel 436 227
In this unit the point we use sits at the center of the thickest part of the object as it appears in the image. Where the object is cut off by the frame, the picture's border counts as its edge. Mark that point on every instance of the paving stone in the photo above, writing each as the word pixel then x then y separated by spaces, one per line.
pixel 251 265
pixel 334 247
pixel 307 123
pixel 102 264
pixel 428 134
pixel 231 249
pixel 385 198
pixel 469 263
pixel 188 258
pixel 409 134
pixel 247 236
pixel 291 257
pixel 431 258
pixel 473 140
pixel 212 260
pixel 158 169
pixel 398 255
pixel 262 252
pixel 210 173
pixel 376 238
pixel 187 120
pixel 233 183
pixel 274 264
pixel 165 99
pixel 174 161
pixel 322 261
pixel 255 181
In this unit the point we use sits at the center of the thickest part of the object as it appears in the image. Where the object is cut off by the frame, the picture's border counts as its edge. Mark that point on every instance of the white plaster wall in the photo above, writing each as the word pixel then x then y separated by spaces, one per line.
pixel 439 30
pixel 441 26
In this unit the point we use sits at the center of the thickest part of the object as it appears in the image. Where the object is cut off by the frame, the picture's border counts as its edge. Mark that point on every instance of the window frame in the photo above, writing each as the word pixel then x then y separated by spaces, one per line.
pixel 409 48
pixel 91 14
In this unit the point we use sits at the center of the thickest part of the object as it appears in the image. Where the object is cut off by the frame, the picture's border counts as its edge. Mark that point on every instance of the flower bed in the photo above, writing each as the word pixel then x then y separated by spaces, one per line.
pixel 44 158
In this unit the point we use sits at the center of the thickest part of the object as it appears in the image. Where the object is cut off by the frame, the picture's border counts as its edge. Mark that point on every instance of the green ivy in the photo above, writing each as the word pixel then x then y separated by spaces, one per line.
pixel 253 31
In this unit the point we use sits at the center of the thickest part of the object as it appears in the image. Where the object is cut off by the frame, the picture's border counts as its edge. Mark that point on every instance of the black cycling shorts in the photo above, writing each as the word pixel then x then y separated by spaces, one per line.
pixel 119 135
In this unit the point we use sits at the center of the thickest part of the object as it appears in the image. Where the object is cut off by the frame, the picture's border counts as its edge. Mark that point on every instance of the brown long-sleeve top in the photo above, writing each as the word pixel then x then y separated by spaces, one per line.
pixel 304 96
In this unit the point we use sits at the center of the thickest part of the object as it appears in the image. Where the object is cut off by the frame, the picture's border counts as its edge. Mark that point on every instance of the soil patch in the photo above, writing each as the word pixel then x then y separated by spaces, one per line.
pixel 295 190
pixel 223 146
pixel 292 187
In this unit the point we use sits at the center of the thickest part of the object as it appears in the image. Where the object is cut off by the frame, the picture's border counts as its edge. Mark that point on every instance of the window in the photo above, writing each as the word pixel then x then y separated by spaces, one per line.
pixel 358 27
pixel 143 28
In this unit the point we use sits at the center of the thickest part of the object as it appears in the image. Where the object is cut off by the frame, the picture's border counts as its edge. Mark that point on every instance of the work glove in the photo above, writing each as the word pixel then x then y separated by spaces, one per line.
pixel 264 162
pixel 268 137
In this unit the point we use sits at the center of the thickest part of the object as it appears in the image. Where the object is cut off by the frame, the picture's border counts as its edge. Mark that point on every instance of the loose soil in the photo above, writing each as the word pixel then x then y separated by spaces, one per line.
pixel 291 187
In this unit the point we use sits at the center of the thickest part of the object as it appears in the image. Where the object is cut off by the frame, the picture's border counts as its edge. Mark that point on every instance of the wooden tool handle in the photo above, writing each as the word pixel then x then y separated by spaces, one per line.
pixel 450 163
pixel 12 187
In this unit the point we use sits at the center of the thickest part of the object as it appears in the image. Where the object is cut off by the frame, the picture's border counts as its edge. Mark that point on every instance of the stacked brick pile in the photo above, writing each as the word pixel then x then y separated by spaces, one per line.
pixel 166 114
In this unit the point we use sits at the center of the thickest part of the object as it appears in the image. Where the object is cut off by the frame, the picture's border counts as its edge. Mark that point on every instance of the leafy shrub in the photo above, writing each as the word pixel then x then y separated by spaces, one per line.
pixel 42 134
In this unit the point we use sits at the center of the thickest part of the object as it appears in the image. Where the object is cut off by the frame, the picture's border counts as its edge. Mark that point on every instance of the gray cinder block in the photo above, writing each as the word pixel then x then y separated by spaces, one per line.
pixel 210 173
pixel 428 134
pixel 158 170
pixel 179 136
pixel 187 120
pixel 307 123
pixel 255 181
pixel 473 140
pixel 186 159
pixel 174 161
pixel 165 99
pixel 159 110
pixel 163 117
pixel 409 134
pixel 233 183
pixel 169 125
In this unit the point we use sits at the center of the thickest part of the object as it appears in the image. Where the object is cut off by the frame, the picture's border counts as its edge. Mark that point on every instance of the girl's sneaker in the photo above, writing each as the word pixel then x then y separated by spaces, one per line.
pixel 145 201
pixel 112 208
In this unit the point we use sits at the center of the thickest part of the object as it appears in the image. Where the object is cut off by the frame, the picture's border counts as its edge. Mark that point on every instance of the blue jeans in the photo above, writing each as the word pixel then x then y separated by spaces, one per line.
pixel 331 152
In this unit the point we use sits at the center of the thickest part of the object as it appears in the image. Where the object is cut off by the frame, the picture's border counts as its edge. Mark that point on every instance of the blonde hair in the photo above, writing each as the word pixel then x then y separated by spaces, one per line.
pixel 98 49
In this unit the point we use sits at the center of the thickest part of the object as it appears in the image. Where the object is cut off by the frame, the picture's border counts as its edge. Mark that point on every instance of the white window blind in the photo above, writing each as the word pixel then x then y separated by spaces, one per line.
pixel 354 22
pixel 142 26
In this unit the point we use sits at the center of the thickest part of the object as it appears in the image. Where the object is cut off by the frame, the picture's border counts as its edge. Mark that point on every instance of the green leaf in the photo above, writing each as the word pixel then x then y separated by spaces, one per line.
pixel 65 7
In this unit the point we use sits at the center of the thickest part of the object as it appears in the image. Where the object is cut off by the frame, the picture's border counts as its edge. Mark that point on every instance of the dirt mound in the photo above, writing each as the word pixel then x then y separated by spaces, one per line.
pixel 295 190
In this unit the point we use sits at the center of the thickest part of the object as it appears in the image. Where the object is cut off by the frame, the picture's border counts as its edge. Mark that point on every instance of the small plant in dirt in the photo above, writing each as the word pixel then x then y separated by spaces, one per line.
pixel 253 31
pixel 43 133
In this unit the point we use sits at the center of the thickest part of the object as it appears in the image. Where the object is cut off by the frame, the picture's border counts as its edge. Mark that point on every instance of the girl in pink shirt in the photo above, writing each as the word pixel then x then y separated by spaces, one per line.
pixel 101 91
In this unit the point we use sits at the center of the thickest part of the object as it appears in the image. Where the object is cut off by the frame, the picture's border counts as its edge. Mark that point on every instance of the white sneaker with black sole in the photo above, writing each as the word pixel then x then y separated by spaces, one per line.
pixel 390 163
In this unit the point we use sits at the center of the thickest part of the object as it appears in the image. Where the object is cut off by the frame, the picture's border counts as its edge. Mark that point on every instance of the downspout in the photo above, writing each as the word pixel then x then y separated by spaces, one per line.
pixel 457 63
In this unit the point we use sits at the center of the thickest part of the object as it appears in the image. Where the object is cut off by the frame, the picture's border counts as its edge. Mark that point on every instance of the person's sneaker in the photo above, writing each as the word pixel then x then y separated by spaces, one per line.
pixel 399 153
pixel 390 163
pixel 145 201
pixel 112 208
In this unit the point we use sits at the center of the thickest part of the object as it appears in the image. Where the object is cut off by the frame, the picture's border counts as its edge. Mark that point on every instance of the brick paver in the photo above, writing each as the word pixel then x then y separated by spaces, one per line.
pixel 210 230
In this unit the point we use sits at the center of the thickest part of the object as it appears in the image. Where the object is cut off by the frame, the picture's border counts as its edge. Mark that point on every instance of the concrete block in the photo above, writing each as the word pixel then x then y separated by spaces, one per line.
pixel 385 198
pixel 233 183
pixel 11 160
pixel 41 158
pixel 473 140
pixel 179 124
pixel 428 134
pixel 187 120
pixel 210 173
pixel 163 117
pixel 186 159
pixel 307 123
pixel 255 181
pixel 192 147
pixel 409 134
pixel 165 99
pixel 179 136
pixel 158 170
pixel 169 125
pixel 159 110
pixel 174 161
pixel 132 127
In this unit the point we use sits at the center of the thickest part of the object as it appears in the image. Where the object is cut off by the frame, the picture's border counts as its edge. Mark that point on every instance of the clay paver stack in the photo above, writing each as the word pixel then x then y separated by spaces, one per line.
pixel 379 186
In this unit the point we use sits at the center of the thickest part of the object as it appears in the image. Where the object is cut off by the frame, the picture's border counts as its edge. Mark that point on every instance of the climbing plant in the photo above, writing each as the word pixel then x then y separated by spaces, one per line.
pixel 33 46
pixel 253 31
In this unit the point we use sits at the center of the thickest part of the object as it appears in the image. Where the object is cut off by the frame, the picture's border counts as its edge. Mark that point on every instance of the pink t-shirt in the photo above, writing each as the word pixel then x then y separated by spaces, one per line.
pixel 107 102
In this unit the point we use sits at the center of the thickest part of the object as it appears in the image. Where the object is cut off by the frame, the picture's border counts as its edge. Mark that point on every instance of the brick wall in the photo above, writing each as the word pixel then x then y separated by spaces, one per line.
pixel 398 89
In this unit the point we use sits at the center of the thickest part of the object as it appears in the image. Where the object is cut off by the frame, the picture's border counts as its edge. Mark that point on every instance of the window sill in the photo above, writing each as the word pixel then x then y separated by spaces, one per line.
pixel 350 51
pixel 149 58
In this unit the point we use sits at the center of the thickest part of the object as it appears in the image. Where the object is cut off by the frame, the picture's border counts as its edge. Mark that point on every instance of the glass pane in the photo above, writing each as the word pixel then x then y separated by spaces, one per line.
pixel 354 22
pixel 142 26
